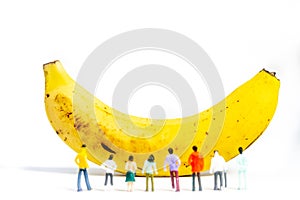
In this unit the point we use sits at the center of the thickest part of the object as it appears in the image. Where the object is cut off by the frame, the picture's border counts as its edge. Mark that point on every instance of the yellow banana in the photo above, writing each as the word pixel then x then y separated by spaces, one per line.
pixel 79 117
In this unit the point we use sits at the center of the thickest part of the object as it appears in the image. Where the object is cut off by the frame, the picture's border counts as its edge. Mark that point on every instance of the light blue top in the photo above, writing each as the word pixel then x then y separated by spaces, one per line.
pixel 241 162
pixel 149 167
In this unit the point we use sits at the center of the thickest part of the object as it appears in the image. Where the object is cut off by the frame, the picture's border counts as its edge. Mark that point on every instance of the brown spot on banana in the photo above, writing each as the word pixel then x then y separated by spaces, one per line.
pixel 106 148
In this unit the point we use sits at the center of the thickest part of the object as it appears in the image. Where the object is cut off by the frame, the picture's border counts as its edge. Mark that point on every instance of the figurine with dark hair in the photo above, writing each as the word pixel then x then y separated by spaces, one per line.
pixel 173 162
pixel 81 161
pixel 130 167
pixel 242 169
pixel 109 166
pixel 197 162
pixel 150 168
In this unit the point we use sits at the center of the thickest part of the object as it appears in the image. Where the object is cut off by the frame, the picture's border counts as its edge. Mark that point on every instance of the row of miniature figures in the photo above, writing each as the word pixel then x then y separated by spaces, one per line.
pixel 218 168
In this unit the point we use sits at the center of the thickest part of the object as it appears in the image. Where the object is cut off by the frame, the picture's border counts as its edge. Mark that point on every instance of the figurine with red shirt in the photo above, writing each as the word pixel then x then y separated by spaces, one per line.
pixel 196 161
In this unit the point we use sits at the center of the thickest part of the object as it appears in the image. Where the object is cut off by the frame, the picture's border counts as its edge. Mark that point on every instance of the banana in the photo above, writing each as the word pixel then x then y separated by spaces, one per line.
pixel 79 117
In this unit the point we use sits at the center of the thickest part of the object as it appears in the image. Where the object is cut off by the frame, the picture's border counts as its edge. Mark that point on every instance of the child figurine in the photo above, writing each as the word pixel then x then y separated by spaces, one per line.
pixel 197 163
pixel 130 167
pixel 150 168
pixel 109 166
pixel 81 161
pixel 174 162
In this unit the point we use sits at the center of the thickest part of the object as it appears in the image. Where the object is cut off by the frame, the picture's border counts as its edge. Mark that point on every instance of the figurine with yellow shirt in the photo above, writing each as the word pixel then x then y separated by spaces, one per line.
pixel 81 161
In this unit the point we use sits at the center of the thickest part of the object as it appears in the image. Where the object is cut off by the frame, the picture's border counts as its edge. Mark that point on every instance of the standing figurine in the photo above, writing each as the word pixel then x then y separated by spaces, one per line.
pixel 242 169
pixel 225 174
pixel 150 168
pixel 197 163
pixel 109 166
pixel 174 162
pixel 217 167
pixel 81 161
pixel 130 167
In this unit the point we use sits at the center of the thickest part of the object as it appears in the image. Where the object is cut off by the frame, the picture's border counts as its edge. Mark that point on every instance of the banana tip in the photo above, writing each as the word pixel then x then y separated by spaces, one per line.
pixel 50 63
pixel 271 73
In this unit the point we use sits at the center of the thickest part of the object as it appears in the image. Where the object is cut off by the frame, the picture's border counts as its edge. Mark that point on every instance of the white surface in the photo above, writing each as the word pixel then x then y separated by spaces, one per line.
pixel 241 39
pixel 53 183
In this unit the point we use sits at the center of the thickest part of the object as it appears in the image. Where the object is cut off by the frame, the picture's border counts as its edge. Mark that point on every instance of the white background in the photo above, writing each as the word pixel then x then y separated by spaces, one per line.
pixel 241 39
